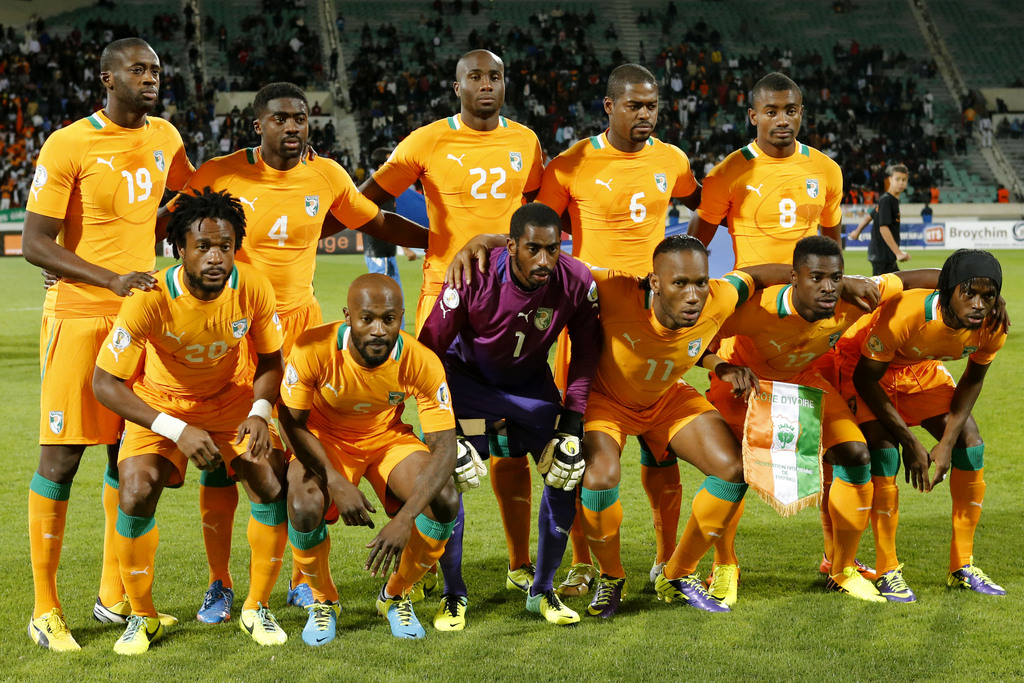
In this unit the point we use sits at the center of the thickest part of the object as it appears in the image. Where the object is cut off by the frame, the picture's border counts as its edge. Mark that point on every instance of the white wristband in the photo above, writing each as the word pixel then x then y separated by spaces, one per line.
pixel 168 427
pixel 261 408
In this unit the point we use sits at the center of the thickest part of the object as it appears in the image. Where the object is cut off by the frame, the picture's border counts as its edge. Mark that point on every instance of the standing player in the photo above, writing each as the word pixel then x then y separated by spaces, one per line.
pixel 779 334
pixel 476 168
pixel 771 193
pixel 292 197
pixel 654 330
pixel 616 188
pixel 197 401
pixel 90 221
pixel 892 373
pixel 884 249
pixel 494 335
pixel 776 189
pixel 343 394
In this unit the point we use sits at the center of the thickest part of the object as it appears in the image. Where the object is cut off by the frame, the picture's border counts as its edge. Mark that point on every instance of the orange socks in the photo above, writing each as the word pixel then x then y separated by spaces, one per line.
pixel 111 588
pixel 725 547
pixel 311 553
pixel 580 545
pixel 136 541
pixel 425 547
pixel 268 535
pixel 510 479
pixel 967 489
pixel 664 492
pixel 47 512
pixel 885 517
pixel 715 507
pixel 826 518
pixel 218 498
pixel 849 505
pixel 602 517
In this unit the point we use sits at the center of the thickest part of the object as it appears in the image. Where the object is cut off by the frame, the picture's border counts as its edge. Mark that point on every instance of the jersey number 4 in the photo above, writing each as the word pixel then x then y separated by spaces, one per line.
pixel 279 231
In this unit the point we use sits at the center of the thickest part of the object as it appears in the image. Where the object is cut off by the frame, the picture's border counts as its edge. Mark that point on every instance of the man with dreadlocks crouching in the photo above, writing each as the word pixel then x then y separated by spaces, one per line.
pixel 892 375
pixel 194 402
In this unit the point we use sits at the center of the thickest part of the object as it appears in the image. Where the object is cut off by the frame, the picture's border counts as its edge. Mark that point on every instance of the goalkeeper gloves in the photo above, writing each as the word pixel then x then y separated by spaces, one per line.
pixel 468 465
pixel 561 463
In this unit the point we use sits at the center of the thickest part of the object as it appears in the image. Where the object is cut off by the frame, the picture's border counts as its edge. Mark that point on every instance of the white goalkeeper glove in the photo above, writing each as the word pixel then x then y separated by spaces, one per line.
pixel 561 463
pixel 468 465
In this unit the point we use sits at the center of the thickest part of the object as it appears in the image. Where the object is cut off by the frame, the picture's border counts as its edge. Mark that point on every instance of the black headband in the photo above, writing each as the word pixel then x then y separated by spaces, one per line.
pixel 977 264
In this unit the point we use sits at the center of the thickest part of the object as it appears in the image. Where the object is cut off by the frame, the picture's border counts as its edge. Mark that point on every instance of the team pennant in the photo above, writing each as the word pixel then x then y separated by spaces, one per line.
pixel 782 446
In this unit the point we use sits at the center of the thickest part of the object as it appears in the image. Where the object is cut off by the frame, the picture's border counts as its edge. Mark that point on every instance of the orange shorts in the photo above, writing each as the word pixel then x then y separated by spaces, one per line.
pixel 838 424
pixel 917 391
pixel 656 425
pixel 70 414
pixel 217 415
pixel 423 309
pixel 373 457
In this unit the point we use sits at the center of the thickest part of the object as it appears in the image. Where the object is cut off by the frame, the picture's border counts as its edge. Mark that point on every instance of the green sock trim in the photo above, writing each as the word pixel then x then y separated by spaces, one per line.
pixel 970 459
pixel 307 540
pixel 647 458
pixel 595 501
pixel 49 489
pixel 885 462
pixel 439 531
pixel 725 490
pixel 269 514
pixel 852 474
pixel 111 477
pixel 133 527
pixel 218 478
pixel 498 445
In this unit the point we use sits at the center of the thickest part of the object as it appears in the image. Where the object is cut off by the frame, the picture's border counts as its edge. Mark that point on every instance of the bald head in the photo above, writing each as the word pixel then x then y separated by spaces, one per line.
pixel 482 59
pixel 374 288
pixel 480 87
pixel 374 314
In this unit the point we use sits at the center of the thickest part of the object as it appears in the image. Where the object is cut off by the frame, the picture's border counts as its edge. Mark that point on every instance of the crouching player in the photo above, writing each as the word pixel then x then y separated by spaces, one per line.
pixel 343 394
pixel 892 375
pixel 494 335
pixel 194 402
pixel 655 329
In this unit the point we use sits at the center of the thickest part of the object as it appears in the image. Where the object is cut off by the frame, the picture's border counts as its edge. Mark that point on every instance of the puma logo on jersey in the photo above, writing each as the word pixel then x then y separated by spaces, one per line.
pixel 137 572
pixel 526 316
pixel 250 203
pixel 456 159
pixel 756 189
pixel 606 183
pixel 173 336
pixel 776 344
pixel 35 192
pixel 632 342
pixel 331 387
pixel 101 160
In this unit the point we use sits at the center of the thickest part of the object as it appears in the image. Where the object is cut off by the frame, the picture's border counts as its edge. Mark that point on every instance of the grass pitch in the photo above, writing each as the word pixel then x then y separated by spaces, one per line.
pixel 783 628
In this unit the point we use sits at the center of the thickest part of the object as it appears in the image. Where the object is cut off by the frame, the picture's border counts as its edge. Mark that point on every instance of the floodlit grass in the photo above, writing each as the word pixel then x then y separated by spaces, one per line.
pixel 783 628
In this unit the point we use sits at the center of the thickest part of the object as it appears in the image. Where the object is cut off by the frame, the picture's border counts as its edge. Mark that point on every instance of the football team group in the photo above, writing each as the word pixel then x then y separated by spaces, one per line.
pixel 193 363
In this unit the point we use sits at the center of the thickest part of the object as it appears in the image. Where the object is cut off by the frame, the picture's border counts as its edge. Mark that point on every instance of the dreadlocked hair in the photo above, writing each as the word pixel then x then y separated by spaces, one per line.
pixel 190 209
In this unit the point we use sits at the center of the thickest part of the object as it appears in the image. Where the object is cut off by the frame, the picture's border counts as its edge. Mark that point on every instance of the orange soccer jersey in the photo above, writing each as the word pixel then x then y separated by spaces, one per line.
pixel 351 403
pixel 105 182
pixel 284 212
pixel 910 329
pixel 771 203
pixel 617 201
pixel 191 347
pixel 767 335
pixel 473 182
pixel 641 359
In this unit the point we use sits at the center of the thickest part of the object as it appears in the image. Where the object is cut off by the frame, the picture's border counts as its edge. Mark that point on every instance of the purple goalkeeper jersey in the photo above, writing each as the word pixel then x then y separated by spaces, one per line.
pixel 496 331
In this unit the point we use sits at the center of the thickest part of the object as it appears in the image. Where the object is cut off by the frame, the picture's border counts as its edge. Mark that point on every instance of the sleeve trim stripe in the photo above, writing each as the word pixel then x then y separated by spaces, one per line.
pixel 931 307
pixel 741 287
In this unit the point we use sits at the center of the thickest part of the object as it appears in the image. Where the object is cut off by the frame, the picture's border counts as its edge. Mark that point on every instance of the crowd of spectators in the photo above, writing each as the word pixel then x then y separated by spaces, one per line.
pixel 865 107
